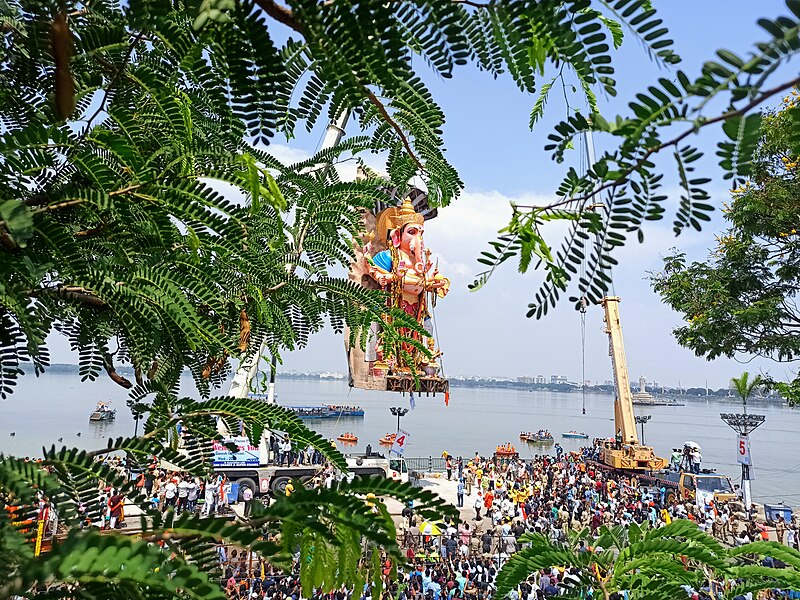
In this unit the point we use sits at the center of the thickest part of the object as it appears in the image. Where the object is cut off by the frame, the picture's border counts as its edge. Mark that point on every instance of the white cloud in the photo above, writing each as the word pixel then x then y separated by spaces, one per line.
pixel 287 154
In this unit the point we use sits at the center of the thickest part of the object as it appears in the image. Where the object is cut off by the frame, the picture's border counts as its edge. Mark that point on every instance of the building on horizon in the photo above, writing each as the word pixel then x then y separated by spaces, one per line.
pixel 557 379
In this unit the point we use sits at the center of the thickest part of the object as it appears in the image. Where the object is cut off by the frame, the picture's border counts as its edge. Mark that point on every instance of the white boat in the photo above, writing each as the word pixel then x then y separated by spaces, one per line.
pixel 103 412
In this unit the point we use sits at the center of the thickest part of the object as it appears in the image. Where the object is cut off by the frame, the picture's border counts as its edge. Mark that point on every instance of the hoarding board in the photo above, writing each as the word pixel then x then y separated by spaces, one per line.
pixel 245 456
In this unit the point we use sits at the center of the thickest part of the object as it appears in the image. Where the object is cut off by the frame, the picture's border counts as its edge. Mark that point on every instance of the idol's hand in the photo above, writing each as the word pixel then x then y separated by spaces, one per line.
pixel 383 278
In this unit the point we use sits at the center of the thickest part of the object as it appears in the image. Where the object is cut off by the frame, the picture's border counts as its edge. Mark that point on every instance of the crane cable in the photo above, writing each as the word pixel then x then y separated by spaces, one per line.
pixel 582 300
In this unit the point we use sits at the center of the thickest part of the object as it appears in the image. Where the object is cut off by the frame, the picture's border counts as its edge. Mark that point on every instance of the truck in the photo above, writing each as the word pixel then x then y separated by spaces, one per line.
pixel 250 468
pixel 698 487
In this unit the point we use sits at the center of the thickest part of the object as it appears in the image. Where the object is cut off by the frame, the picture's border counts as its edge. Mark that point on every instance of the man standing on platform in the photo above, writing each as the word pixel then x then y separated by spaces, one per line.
pixel 460 493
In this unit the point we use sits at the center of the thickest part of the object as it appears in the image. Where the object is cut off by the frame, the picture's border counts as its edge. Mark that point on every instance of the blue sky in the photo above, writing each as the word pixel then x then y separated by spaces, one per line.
pixel 499 159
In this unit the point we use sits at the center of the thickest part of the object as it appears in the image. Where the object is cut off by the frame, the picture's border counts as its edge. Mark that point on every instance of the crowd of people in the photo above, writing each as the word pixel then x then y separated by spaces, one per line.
pixel 500 498
pixel 506 498
pixel 553 495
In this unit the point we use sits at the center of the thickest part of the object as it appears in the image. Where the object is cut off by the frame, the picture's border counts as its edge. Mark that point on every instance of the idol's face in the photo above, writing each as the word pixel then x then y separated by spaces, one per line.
pixel 411 238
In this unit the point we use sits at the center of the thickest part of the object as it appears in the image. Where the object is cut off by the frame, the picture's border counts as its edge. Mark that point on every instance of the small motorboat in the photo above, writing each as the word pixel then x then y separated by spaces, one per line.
pixel 505 450
pixel 348 438
pixel 524 435
pixel 388 439
pixel 540 437
pixel 579 435
pixel 103 412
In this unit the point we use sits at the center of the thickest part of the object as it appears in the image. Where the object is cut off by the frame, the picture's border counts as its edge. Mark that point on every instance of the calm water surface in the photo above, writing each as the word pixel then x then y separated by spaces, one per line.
pixel 58 406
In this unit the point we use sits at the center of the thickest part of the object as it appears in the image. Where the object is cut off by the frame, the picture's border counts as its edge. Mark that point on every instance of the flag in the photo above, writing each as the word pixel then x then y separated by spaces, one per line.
pixel 411 400
pixel 447 398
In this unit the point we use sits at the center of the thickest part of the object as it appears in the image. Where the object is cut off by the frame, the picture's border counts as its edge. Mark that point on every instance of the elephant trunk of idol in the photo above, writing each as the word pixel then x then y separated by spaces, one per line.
pixel 417 249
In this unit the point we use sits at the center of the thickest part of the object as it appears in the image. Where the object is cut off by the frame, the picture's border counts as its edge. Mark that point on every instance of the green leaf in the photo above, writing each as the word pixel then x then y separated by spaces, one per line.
pixel 17 219
pixel 615 27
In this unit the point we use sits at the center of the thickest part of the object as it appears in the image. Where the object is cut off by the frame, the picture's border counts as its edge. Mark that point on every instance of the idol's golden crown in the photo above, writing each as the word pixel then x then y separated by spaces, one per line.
pixel 397 216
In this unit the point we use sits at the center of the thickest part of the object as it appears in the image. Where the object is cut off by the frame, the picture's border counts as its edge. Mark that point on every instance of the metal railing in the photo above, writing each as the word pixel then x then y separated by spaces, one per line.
pixel 430 464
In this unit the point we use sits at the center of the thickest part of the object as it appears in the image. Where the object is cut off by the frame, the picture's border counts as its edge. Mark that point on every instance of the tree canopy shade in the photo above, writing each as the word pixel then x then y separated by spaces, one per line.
pixel 118 116
pixel 742 299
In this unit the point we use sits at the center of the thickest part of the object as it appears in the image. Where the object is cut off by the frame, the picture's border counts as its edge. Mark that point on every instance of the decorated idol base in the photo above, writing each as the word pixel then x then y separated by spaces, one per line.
pixel 379 377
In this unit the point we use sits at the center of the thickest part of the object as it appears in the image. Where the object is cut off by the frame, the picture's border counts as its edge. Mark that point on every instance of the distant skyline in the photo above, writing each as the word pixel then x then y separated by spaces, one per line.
pixel 338 375
pixel 500 160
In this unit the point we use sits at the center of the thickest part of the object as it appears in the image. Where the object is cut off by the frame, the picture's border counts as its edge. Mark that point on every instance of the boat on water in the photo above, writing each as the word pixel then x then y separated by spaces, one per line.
pixel 326 411
pixel 388 439
pixel 579 435
pixel 348 437
pixel 103 412
pixel 505 450
pixel 540 437
pixel 651 401
pixel 645 398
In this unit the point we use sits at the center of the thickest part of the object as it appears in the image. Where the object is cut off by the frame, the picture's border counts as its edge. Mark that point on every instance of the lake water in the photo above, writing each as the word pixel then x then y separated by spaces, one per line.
pixel 58 406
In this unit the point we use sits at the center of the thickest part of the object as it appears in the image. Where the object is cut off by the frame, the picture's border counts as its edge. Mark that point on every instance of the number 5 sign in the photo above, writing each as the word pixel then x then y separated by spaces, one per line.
pixel 743 450
pixel 400 442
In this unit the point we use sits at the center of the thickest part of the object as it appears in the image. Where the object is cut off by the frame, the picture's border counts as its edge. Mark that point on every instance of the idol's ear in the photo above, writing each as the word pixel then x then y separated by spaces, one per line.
pixel 396 238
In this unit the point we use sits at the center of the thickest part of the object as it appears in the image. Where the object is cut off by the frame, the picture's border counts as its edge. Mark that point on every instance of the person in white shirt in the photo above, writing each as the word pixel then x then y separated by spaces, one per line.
pixel 183 496
pixel 285 452
pixel 170 495
pixel 791 537
pixel 212 491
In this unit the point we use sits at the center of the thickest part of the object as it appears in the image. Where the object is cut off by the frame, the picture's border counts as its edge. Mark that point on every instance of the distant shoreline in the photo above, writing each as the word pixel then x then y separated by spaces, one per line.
pixel 458 382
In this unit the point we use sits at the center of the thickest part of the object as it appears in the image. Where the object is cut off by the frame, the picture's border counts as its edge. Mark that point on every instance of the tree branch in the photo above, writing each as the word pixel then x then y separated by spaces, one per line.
pixel 473 3
pixel 394 125
pixel 623 178
pixel 284 15
pixel 281 14
pixel 81 294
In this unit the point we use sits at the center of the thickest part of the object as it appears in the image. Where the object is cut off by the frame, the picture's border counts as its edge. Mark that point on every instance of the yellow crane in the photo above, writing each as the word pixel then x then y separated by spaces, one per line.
pixel 625 451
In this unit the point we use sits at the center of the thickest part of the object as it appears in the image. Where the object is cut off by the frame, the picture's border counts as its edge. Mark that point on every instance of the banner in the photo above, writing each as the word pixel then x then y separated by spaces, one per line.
pixel 400 442
pixel 245 456
pixel 743 450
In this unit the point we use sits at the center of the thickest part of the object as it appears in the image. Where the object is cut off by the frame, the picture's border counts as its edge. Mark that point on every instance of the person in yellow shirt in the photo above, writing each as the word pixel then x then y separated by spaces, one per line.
pixel 289 488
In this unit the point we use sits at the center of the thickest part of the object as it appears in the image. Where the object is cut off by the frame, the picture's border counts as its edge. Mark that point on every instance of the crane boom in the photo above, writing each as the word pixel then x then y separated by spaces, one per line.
pixel 624 452
pixel 240 385
pixel 624 421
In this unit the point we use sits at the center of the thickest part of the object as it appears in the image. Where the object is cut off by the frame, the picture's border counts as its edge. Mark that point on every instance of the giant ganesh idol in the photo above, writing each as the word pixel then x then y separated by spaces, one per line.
pixel 394 258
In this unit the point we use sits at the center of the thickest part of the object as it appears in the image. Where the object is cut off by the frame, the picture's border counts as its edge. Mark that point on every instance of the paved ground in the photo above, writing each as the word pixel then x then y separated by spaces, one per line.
pixel 442 488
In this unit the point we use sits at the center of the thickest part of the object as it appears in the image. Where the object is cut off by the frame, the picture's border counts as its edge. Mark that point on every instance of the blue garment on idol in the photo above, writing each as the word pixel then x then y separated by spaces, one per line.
pixel 383 260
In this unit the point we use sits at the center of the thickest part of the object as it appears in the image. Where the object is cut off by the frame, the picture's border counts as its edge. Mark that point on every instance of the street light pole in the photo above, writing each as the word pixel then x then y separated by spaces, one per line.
pixel 641 420
pixel 744 424
pixel 398 411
